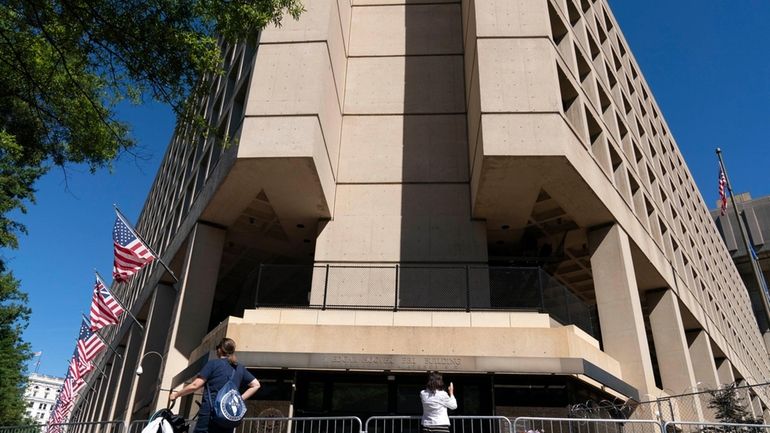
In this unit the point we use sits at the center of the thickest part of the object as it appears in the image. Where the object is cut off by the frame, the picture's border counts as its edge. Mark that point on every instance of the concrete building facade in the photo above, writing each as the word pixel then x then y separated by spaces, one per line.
pixel 482 187
pixel 40 396
pixel 756 219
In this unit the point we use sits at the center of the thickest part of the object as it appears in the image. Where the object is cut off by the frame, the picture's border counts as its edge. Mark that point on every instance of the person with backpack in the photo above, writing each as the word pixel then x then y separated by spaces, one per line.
pixel 223 406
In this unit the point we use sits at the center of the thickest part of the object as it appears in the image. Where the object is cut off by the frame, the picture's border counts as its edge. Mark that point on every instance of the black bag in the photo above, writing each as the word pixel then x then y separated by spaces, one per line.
pixel 178 423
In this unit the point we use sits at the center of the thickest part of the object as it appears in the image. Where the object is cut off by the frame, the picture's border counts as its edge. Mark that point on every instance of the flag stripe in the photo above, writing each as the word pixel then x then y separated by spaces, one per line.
pixel 89 344
pixel 722 195
pixel 105 310
pixel 131 254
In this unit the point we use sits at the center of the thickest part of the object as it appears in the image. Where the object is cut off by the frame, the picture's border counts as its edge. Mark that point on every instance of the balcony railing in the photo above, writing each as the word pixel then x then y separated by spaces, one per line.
pixel 422 287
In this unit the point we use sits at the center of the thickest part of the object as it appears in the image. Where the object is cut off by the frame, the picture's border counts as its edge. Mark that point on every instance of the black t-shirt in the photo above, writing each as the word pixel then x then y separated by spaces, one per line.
pixel 217 372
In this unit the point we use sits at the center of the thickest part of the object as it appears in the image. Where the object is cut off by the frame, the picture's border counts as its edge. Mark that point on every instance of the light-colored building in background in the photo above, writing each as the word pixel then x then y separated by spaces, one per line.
pixel 483 187
pixel 40 396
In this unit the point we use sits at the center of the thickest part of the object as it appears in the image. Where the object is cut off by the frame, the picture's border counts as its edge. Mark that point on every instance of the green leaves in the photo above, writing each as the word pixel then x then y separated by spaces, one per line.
pixel 64 65
pixel 727 406
pixel 13 351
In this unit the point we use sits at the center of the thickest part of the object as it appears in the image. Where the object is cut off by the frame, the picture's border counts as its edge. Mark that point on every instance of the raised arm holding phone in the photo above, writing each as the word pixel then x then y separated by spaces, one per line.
pixel 435 402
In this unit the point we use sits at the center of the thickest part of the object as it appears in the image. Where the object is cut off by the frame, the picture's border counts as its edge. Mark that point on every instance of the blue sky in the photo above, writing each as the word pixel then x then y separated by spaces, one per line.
pixel 706 61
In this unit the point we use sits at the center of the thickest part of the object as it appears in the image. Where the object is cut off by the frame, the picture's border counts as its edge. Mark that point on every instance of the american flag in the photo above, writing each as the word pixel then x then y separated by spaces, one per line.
pixel 105 309
pixel 54 421
pixel 74 371
pixel 89 343
pixel 722 195
pixel 67 393
pixel 130 252
pixel 79 368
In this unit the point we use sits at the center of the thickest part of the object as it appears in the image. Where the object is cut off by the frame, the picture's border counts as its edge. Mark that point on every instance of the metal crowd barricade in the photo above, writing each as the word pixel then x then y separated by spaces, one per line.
pixel 345 424
pixel 87 427
pixel 138 425
pixel 457 424
pixel 706 427
pixel 393 424
pixel 584 425
pixel 35 428
pixel 480 424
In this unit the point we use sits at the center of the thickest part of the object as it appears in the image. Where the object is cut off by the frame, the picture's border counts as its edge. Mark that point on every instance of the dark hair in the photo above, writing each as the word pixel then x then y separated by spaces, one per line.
pixel 435 382
pixel 226 347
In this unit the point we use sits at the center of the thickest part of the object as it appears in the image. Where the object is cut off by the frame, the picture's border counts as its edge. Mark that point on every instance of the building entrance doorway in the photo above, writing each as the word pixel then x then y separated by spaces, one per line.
pixel 383 393
pixel 303 393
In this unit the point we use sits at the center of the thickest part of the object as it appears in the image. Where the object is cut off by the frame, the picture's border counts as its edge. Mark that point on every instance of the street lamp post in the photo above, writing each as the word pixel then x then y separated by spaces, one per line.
pixel 139 369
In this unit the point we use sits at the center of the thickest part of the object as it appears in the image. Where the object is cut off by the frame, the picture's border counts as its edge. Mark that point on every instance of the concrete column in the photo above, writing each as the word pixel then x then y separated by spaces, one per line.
pixel 620 311
pixel 126 375
pixel 703 360
pixel 196 295
pixel 725 371
pixel 704 367
pixel 93 414
pixel 144 389
pixel 105 403
pixel 93 396
pixel 673 353
pixel 756 403
pixel 745 395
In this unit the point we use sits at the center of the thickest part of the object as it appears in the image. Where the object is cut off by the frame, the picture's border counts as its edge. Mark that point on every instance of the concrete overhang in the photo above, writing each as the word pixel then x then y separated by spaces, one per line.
pixel 519 155
pixel 500 342
pixel 283 158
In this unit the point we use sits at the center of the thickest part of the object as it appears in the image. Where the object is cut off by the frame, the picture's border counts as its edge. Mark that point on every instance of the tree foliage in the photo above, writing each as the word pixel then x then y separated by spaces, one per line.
pixel 727 406
pixel 64 67
pixel 65 64
pixel 14 352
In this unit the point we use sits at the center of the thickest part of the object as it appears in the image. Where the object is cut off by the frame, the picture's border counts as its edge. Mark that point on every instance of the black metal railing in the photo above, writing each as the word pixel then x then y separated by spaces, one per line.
pixel 422 287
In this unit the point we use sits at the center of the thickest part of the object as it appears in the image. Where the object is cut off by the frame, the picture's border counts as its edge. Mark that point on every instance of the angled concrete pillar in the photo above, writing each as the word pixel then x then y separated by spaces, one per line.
pixel 673 355
pixel 93 397
pixel 197 284
pixel 725 371
pixel 745 395
pixel 101 391
pixel 126 375
pixel 672 352
pixel 704 367
pixel 145 387
pixel 756 403
pixel 620 311
pixel 702 356
pixel 113 373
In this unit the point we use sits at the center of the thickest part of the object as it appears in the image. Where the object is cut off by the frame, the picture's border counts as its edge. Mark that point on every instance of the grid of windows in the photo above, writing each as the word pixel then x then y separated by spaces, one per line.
pixel 609 106
pixel 189 161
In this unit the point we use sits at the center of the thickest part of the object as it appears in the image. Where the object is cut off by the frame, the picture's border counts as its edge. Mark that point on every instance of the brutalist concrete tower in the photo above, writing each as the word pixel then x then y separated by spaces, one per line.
pixel 481 187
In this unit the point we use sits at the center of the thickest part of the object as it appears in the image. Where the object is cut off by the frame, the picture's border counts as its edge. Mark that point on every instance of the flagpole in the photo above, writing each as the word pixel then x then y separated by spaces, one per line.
pixel 99 370
pixel 112 293
pixel 747 245
pixel 157 256
pixel 100 337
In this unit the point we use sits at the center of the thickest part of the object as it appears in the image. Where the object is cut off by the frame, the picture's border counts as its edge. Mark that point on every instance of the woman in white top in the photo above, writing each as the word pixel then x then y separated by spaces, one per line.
pixel 435 402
